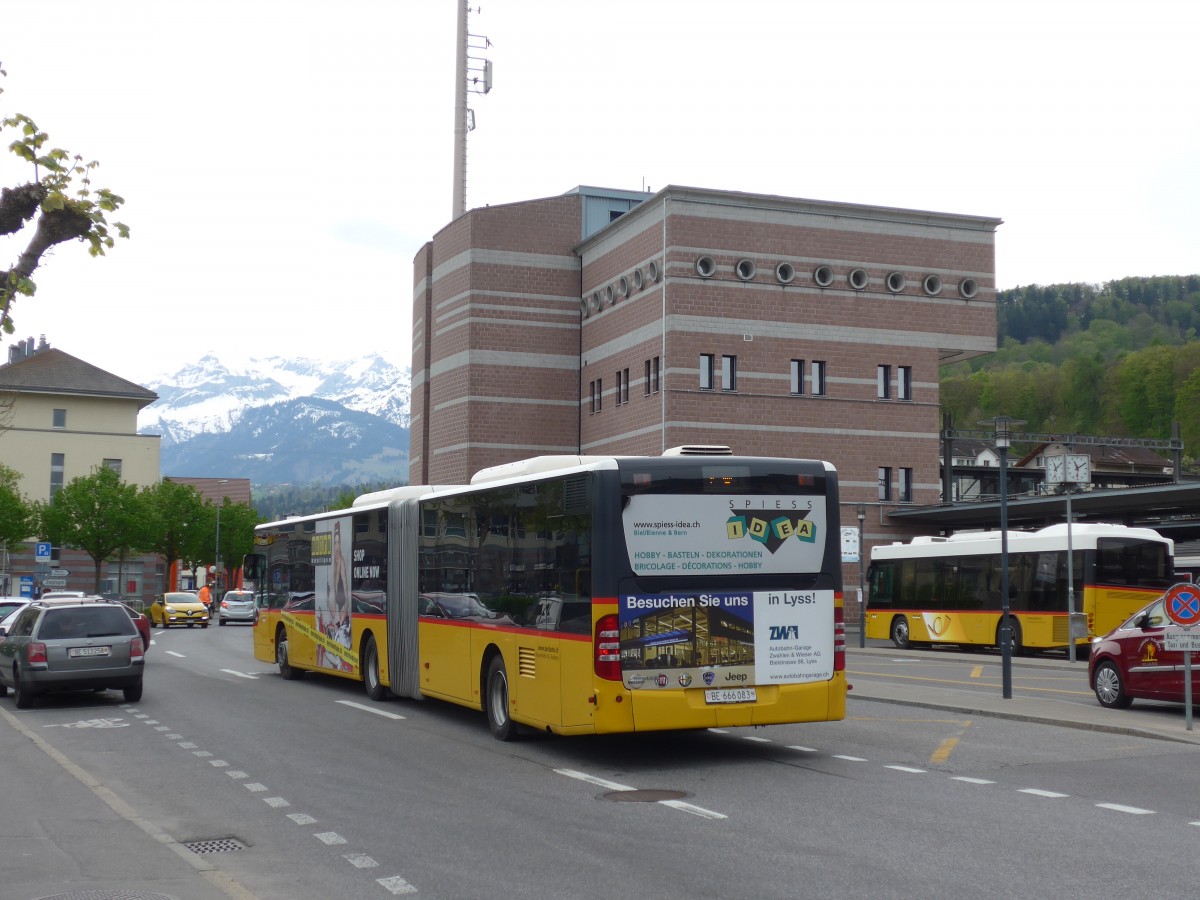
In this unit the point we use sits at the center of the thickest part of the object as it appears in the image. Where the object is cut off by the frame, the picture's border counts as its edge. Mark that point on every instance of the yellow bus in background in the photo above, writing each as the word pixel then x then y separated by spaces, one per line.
pixel 936 590
pixel 574 595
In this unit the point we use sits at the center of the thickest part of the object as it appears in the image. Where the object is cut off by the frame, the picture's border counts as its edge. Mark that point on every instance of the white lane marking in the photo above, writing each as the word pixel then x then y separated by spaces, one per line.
pixel 239 674
pixel 757 740
pixel 802 749
pixel 330 837
pixel 848 758
pixel 302 818
pixel 592 779
pixel 237 773
pixel 173 653
pixel 906 769
pixel 276 802
pixel 971 780
pixel 1040 793
pixel 370 709
pixel 694 810
pixel 255 787
pixel 718 731
pixel 202 753
pixel 360 860
pixel 396 885
pixel 1133 810
pixel 218 763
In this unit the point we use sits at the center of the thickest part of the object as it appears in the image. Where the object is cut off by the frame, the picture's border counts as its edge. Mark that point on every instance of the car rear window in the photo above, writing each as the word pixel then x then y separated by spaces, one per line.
pixel 80 622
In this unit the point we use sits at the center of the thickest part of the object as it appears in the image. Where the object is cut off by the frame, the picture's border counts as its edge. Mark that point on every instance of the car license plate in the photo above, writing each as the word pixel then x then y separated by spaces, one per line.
pixel 731 695
pixel 89 651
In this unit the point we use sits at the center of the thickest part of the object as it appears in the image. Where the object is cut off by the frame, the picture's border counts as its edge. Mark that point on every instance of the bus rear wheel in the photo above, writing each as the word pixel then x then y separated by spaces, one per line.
pixel 900 634
pixel 286 669
pixel 1016 648
pixel 496 701
pixel 370 671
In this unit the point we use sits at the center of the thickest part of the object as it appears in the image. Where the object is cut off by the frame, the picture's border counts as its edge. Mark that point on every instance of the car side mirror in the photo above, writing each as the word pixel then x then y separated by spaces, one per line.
pixel 1143 621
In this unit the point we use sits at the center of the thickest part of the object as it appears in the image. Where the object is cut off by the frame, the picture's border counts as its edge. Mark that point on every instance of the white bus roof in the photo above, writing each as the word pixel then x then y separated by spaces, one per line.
pixel 1052 536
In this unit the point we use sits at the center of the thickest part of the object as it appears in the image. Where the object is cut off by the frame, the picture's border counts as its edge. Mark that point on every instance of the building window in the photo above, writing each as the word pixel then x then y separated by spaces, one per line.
pixel 883 382
pixel 905 487
pixel 647 378
pixel 707 371
pixel 60 418
pixel 654 374
pixel 904 383
pixel 114 464
pixel 597 389
pixel 885 483
pixel 622 386
pixel 729 373
pixel 618 387
pixel 57 465
pixel 797 377
pixel 818 378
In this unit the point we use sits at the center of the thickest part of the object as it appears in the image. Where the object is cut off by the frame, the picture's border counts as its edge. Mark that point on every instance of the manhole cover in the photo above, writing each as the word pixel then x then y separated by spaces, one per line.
pixel 107 895
pixel 215 845
pixel 648 796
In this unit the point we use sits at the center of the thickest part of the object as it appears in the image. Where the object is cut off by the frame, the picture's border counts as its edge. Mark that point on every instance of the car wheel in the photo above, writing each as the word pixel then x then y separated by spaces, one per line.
pixel 496 706
pixel 1110 687
pixel 286 669
pixel 24 692
pixel 204 625
pixel 133 693
pixel 220 621
pixel 153 624
pixel 370 671
pixel 900 633
pixel 3 689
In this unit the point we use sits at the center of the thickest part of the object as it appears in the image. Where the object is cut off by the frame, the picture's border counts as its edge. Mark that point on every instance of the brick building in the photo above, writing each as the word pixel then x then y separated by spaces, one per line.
pixel 615 322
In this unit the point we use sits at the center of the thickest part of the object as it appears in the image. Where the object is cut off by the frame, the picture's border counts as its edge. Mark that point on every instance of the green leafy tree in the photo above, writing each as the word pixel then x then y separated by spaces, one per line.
pixel 237 536
pixel 58 204
pixel 98 514
pixel 173 512
pixel 18 520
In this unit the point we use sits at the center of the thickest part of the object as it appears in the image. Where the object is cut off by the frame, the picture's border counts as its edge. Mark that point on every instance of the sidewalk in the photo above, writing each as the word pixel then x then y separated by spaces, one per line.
pixel 66 834
pixel 1144 719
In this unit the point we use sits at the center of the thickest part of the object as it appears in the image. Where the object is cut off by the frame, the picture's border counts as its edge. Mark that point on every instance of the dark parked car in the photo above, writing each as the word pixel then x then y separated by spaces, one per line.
pixel 77 645
pixel 1132 662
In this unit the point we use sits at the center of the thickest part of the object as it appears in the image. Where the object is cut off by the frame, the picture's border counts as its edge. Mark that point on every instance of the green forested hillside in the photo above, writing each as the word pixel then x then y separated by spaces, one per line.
pixel 1119 359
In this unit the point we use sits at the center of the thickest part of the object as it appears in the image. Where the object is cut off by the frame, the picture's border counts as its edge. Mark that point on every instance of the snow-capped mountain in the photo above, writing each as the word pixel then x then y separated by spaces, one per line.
pixel 278 420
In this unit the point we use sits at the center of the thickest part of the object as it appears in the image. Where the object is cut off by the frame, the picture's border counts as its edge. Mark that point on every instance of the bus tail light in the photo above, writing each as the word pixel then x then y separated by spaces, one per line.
pixel 36 652
pixel 839 639
pixel 608 648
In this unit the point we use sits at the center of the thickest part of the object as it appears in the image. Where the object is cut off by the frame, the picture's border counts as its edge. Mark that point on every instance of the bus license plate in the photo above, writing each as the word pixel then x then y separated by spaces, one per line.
pixel 731 695
pixel 89 651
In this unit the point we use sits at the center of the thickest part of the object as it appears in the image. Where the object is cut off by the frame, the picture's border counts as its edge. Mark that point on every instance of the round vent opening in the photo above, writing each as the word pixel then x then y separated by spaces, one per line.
pixel 968 288
pixel 637 279
pixel 705 267
pixel 784 273
pixel 933 285
pixel 746 269
pixel 623 286
pixel 652 272
pixel 858 279
pixel 823 276
pixel 583 307
pixel 610 295
pixel 895 282
pixel 596 302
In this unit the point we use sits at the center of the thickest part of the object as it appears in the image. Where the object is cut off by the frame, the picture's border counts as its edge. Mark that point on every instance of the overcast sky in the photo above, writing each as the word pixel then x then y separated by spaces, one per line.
pixel 282 162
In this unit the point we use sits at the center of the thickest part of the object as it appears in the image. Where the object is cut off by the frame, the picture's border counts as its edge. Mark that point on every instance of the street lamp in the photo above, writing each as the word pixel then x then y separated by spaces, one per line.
pixel 862 595
pixel 1003 431
pixel 217 577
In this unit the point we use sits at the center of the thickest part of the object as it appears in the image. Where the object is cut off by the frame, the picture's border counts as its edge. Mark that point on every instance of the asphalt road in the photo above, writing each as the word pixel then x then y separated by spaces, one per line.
pixel 226 781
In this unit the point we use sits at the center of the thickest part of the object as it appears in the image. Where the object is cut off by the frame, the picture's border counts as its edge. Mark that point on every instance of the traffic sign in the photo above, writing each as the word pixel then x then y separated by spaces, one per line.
pixel 1182 641
pixel 60 573
pixel 1182 604
pixel 41 552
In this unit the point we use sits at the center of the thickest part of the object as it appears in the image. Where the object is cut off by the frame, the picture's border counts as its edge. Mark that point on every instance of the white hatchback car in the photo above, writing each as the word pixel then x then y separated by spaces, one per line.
pixel 237 606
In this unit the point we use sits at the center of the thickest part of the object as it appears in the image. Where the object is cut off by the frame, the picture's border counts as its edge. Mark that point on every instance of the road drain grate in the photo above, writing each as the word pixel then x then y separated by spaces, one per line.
pixel 216 845
pixel 647 796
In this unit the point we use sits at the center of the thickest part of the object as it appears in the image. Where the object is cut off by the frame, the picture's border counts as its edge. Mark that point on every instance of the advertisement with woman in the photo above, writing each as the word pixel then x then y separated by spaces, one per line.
pixel 331 565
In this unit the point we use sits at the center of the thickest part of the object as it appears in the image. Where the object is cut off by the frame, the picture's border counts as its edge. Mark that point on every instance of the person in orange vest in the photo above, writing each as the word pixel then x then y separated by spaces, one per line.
pixel 206 597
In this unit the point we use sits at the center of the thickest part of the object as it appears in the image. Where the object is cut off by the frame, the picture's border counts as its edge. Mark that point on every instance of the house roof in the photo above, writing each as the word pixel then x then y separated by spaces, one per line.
pixel 1107 457
pixel 52 371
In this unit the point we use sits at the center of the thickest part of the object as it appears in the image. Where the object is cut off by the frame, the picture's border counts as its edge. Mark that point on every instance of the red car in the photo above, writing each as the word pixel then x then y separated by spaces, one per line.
pixel 1132 662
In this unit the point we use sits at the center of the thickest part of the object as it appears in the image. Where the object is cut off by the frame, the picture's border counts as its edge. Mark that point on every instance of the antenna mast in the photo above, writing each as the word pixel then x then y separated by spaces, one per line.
pixel 472 74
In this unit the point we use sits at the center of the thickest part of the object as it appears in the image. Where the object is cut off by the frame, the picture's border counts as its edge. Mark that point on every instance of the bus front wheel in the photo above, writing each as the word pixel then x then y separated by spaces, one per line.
pixel 370 671
pixel 496 702
pixel 286 669
pixel 900 634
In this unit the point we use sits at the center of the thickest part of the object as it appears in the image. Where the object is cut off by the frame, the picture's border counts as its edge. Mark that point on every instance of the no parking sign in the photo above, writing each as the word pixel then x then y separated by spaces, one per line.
pixel 1182 604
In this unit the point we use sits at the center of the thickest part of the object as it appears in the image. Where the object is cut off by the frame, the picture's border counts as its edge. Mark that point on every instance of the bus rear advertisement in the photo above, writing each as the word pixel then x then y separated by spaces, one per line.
pixel 575 595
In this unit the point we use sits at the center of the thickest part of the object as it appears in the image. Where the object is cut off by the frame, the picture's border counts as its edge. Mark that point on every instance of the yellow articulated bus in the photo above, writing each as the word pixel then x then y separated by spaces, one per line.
pixel 947 590
pixel 574 595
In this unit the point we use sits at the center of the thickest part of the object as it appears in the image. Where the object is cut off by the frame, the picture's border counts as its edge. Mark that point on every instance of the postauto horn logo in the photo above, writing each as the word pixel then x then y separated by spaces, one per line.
pixel 770 528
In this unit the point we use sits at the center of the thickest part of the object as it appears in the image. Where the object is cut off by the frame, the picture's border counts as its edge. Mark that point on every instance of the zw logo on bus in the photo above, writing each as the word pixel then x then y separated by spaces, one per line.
pixel 785 632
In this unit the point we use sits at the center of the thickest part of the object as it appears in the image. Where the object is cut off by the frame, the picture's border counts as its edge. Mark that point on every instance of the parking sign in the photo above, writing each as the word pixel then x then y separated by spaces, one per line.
pixel 42 552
